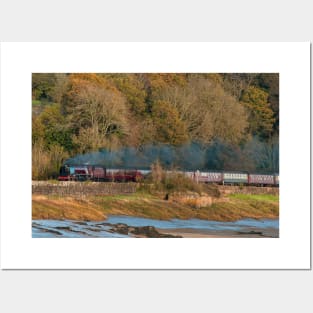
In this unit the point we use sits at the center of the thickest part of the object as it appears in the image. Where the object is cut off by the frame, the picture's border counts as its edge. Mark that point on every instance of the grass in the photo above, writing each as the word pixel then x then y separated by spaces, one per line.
pixel 145 204
pixel 36 102
pixel 235 210
pixel 152 206
pixel 260 197
pixel 53 207
pixel 247 206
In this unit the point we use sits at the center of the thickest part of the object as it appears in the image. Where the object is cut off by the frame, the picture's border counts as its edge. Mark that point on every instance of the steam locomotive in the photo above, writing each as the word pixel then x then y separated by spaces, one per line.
pixel 100 173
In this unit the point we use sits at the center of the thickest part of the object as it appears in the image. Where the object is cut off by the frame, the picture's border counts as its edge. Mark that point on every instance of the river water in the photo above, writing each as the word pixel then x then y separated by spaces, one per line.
pixel 83 229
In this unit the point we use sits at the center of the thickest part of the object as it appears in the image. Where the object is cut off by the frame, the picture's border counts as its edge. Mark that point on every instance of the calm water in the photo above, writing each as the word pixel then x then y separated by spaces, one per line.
pixel 81 229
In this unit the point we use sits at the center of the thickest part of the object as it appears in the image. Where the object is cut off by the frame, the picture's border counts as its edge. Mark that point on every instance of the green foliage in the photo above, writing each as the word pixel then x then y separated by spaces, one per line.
pixel 50 126
pixel 169 127
pixel 261 197
pixel 38 130
pixel 261 118
pixel 36 102
pixel 42 86
pixel 270 83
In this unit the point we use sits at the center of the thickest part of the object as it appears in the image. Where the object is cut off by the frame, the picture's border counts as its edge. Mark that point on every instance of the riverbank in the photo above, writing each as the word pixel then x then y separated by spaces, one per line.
pixel 162 207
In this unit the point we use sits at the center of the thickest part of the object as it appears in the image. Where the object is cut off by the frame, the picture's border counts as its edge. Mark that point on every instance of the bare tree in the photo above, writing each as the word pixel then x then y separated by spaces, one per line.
pixel 207 111
pixel 99 114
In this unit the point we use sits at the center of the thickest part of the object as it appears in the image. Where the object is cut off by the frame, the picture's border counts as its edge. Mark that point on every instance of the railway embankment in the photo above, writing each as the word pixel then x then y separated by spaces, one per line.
pixel 95 201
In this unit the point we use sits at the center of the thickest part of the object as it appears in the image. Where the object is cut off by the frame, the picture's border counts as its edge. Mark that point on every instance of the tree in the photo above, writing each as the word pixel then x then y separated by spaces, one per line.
pixel 169 127
pixel 55 130
pixel 207 111
pixel 42 86
pixel 265 155
pixel 133 89
pixel 261 116
pixel 236 83
pixel 38 129
pixel 49 87
pixel 96 108
pixel 60 87
pixel 270 83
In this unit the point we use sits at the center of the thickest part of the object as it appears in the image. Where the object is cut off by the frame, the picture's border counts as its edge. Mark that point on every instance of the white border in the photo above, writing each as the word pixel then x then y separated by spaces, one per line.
pixel 291 250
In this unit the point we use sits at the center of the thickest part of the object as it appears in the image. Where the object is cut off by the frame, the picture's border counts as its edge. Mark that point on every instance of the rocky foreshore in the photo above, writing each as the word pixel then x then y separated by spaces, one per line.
pixel 143 231
pixel 86 229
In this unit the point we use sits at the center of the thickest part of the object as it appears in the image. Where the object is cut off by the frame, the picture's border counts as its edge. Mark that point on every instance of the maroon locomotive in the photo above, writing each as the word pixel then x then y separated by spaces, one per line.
pixel 97 173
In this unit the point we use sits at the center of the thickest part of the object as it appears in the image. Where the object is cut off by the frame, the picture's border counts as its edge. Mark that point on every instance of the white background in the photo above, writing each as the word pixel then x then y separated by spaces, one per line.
pixel 20 250
pixel 155 291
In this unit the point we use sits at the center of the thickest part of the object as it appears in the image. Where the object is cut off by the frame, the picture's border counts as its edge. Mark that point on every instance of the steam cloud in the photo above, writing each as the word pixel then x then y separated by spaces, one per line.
pixel 191 156
pixel 216 156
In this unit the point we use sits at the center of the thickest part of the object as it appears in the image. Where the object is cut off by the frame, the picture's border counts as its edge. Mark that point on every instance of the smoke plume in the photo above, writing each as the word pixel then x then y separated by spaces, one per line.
pixel 216 156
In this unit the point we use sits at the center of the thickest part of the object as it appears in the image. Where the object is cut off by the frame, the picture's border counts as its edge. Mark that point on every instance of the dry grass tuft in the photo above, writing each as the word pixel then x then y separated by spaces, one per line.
pixel 45 207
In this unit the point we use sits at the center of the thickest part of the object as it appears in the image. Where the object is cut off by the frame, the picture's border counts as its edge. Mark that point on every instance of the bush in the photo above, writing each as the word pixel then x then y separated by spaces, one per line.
pixel 176 181
pixel 171 181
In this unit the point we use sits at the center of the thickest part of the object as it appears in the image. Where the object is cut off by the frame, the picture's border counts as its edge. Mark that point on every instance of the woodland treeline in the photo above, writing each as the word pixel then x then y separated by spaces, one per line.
pixel 234 118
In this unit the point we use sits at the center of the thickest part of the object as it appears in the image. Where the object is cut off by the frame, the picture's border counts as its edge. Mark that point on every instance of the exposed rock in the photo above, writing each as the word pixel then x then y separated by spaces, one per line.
pixel 144 231
pixel 94 229
pixel 64 228
pixel 45 230
pixel 121 228
pixel 252 232
pixel 151 232
pixel 69 229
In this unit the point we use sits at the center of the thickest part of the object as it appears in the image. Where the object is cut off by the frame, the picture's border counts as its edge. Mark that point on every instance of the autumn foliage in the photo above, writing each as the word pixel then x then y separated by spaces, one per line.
pixel 84 112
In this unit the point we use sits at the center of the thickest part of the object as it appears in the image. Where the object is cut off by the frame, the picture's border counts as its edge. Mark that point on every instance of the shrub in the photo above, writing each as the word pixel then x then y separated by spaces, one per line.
pixel 171 181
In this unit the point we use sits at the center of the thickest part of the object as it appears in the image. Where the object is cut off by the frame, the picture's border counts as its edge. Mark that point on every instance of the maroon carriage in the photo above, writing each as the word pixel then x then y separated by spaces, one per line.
pixel 209 177
pixel 261 179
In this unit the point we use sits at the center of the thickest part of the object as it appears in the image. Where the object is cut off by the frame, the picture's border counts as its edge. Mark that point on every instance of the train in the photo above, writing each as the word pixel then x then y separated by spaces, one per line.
pixel 101 174
pixel 98 173
pixel 236 178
